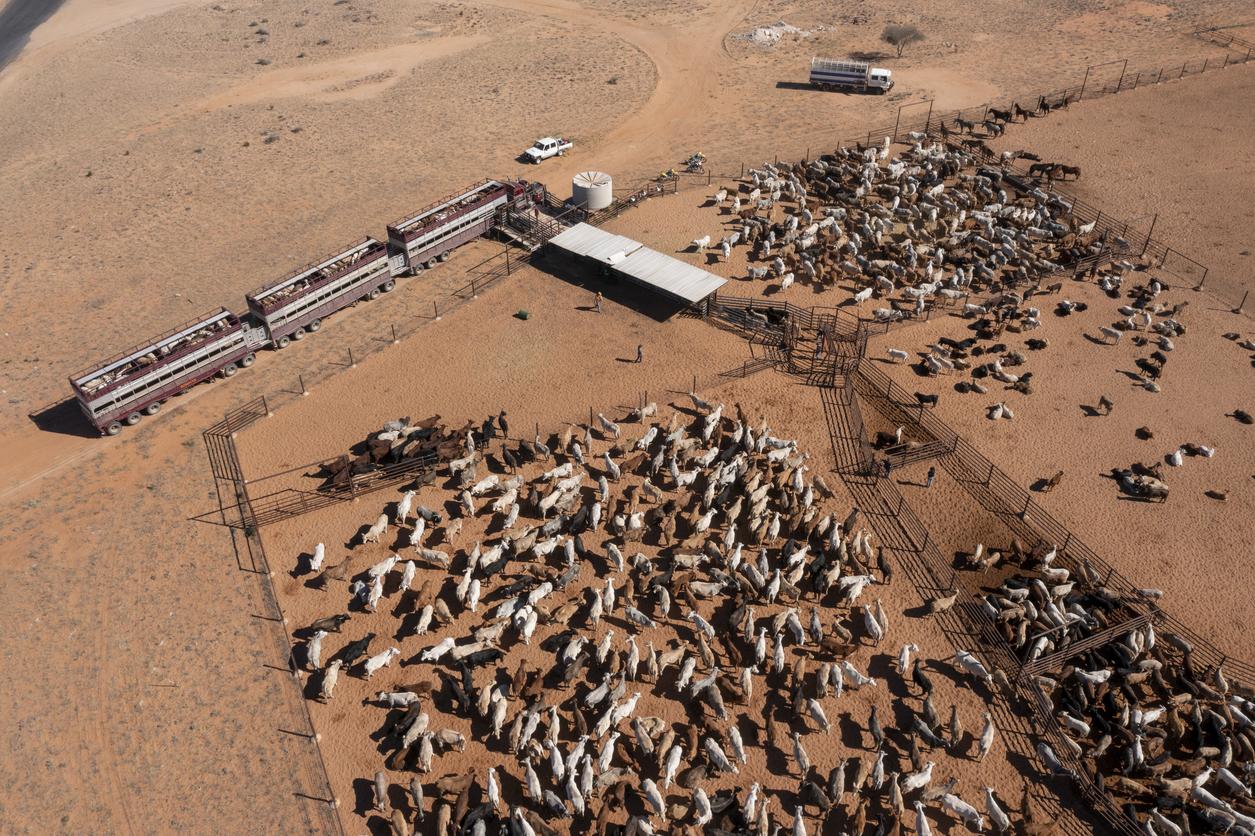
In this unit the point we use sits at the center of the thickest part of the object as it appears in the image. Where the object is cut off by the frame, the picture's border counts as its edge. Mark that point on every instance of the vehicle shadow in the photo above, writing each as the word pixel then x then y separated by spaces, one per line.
pixel 63 418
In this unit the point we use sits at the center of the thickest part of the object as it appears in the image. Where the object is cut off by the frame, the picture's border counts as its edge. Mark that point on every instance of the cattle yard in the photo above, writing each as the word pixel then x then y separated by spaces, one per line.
pixel 844 367
pixel 899 481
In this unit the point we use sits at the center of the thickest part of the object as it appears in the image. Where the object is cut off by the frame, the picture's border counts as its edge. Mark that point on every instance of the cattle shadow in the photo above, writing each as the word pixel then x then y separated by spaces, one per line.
pixel 851 732
pixel 1090 411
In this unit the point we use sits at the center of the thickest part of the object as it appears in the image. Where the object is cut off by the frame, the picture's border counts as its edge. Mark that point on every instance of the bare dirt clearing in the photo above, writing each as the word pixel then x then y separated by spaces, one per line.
pixel 137 689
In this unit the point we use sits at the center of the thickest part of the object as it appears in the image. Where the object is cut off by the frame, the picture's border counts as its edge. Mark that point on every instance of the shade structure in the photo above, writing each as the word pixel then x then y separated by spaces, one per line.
pixel 632 260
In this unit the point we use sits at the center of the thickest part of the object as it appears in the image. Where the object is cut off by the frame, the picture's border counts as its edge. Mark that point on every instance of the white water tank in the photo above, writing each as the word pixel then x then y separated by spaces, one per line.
pixel 592 190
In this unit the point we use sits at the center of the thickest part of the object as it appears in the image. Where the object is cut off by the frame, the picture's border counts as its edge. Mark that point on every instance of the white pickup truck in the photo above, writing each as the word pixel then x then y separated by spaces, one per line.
pixel 546 147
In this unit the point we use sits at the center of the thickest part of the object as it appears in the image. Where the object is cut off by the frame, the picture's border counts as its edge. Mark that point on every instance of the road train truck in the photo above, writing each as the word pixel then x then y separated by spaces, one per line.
pixel 135 383
pixel 840 74
pixel 138 381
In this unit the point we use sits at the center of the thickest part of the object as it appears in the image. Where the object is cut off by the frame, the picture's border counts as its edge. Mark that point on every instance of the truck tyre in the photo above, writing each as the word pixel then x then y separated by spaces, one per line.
pixel 132 419
pixel 248 360
pixel 315 325
pixel 113 429
pixel 282 342
pixel 229 371
pixel 298 334
pixel 373 294
pixel 387 286
pixel 562 152
pixel 152 408
pixel 444 256
pixel 430 263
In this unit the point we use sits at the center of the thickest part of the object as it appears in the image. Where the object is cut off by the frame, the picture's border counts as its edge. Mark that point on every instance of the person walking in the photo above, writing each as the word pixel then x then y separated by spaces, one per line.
pixel 640 353
pixel 932 477
pixel 597 302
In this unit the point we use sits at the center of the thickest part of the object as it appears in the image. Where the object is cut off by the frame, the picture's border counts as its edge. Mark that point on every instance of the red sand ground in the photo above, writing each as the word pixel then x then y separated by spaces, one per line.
pixel 120 597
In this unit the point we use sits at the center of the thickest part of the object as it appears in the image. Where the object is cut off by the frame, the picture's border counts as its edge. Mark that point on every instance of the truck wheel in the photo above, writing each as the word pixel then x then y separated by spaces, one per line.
pixel 229 371
pixel 562 153
pixel 430 263
pixel 113 429
pixel 373 294
pixel 315 325
pixel 248 360
pixel 132 419
pixel 387 286
pixel 444 256
pixel 283 341
pixel 298 334
pixel 152 408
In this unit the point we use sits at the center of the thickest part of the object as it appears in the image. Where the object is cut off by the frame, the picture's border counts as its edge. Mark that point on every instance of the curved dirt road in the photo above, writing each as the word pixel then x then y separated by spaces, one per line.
pixel 687 60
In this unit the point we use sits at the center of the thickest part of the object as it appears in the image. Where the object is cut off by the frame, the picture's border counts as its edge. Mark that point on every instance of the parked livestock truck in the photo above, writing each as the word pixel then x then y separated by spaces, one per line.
pixel 422 240
pixel 837 74
pixel 137 382
pixel 296 305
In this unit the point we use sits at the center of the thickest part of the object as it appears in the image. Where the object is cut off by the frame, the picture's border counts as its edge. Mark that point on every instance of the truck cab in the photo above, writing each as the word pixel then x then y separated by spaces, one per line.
pixel 880 79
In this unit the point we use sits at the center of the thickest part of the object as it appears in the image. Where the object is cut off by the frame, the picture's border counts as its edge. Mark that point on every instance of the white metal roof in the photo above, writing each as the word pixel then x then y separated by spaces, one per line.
pixel 649 267
pixel 589 241
pixel 670 275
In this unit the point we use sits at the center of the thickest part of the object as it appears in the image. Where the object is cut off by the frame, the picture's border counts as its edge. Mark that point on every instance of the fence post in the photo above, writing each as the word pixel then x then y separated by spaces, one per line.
pixel 1149 233
pixel 1159 75
pixel 474 290
pixel 507 260
pixel 1024 513
pixel 1084 81
pixel 394 334
pixel 1182 71
pixel 435 309
pixel 301 380
pixel 1241 305
pixel 352 362
pixel 1204 69
pixel 1202 279
pixel 1123 67
pixel 1136 80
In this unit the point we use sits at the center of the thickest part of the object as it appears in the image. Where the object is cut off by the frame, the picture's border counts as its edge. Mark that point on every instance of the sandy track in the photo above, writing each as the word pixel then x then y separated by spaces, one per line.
pixel 687 60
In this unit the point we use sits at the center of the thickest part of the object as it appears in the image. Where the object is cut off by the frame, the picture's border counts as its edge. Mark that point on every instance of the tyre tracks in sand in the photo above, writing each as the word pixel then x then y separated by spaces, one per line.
pixel 687 60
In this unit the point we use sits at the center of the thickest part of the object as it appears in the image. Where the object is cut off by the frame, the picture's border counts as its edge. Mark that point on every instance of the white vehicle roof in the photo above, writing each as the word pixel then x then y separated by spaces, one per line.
pixel 545 139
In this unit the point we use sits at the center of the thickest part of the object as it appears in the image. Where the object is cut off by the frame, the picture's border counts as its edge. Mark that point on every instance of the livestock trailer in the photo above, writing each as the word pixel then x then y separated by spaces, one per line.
pixel 427 237
pixel 851 75
pixel 136 382
pixel 295 305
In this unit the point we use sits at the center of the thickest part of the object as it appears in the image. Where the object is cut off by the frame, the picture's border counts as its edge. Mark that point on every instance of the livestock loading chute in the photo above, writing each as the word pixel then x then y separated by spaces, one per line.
pixel 423 239
pixel 296 305
pixel 139 380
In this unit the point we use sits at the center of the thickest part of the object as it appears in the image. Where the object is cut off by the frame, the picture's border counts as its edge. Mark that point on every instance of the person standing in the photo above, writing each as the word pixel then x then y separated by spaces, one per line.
pixel 888 467
pixel 640 353
pixel 597 302
pixel 932 477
